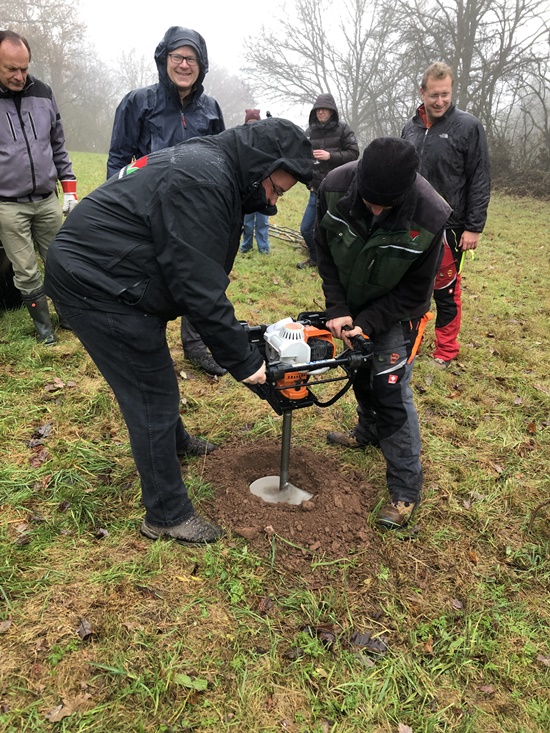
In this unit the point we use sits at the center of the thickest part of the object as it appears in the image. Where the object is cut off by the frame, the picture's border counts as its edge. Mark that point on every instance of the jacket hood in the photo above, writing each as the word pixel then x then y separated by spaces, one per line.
pixel 175 37
pixel 324 101
pixel 255 151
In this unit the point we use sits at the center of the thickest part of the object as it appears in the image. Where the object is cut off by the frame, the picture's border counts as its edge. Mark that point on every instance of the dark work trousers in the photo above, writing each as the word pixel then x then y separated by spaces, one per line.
pixel 448 298
pixel 131 352
pixel 191 341
pixel 386 412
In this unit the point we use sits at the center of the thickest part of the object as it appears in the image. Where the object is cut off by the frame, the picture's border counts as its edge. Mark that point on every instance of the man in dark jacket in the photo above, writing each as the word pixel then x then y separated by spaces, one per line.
pixel 379 240
pixel 455 159
pixel 333 144
pixel 32 159
pixel 154 243
pixel 162 115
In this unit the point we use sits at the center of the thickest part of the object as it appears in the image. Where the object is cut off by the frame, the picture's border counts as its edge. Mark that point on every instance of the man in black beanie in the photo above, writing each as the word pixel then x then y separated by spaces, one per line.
pixel 379 235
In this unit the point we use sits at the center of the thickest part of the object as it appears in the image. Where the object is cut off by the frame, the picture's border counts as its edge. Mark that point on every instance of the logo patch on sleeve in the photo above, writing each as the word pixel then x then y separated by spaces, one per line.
pixel 393 379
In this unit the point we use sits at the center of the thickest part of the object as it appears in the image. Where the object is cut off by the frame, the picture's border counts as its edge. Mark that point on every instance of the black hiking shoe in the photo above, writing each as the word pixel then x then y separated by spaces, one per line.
pixel 196 447
pixel 348 440
pixel 206 363
pixel 306 263
pixel 194 531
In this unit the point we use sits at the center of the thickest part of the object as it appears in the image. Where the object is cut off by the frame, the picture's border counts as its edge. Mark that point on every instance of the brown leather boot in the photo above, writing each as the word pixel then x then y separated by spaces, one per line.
pixel 396 514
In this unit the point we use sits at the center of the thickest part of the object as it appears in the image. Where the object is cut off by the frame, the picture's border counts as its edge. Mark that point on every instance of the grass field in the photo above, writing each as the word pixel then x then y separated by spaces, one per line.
pixel 102 631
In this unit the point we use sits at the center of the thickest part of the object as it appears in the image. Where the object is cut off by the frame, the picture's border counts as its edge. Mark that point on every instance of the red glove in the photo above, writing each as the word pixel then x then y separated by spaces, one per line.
pixel 70 198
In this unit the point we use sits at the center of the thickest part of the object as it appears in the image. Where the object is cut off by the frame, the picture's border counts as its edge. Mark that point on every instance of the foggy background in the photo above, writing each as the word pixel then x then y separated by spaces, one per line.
pixel 370 54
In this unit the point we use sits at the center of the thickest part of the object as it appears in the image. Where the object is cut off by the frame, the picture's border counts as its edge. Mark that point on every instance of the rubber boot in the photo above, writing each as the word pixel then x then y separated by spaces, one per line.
pixel 37 305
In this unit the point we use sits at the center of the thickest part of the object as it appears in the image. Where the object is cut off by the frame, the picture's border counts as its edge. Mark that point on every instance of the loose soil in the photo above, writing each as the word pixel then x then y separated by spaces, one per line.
pixel 333 524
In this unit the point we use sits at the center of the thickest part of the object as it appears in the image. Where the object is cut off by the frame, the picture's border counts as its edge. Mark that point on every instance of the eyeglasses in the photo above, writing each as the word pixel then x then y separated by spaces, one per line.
pixel 176 59
pixel 278 191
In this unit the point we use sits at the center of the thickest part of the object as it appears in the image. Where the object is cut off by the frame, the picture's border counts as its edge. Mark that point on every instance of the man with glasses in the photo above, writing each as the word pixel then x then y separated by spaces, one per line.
pixel 149 245
pixel 164 114
pixel 454 158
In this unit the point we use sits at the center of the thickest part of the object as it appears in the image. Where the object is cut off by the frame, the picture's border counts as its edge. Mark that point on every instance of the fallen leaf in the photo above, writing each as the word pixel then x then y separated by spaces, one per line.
pixel 532 428
pixel 518 401
pixel 429 646
pixel 455 603
pixel 68 708
pixel 4 626
pixel 544 660
pixel 44 430
pixel 265 605
pixel 467 503
pixel 101 533
pixel 194 683
pixel 84 630
pixel 473 557
pixel 39 457
pixel 402 728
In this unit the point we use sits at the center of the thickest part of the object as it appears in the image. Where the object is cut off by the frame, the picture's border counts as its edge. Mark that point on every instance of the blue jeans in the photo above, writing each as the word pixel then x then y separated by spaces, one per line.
pixel 261 223
pixel 307 227
pixel 131 352
pixel 386 411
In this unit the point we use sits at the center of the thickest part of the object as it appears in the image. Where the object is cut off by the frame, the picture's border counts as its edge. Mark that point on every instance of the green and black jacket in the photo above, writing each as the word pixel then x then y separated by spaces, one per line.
pixel 379 270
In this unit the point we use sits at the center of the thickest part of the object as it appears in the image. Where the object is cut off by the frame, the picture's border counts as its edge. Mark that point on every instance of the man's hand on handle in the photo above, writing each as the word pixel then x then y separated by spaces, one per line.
pixel 256 378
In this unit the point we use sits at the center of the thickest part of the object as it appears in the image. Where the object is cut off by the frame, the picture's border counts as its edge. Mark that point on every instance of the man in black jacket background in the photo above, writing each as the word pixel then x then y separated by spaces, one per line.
pixel 152 244
pixel 334 144
pixel 454 158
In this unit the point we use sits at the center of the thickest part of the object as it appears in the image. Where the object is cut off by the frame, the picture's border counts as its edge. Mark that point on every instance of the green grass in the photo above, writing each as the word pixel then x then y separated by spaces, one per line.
pixel 186 640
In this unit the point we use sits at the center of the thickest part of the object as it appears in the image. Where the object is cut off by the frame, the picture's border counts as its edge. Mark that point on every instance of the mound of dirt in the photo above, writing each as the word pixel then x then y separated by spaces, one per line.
pixel 332 524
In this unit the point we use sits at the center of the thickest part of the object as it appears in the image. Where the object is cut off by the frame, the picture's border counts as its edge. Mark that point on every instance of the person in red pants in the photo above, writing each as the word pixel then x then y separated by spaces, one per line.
pixel 454 158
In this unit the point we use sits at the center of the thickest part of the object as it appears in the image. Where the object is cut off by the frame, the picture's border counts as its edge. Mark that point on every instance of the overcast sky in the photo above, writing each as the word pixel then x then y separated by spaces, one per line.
pixel 115 25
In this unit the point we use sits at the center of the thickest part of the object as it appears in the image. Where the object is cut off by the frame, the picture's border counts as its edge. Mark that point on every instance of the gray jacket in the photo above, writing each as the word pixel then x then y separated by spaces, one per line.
pixel 32 143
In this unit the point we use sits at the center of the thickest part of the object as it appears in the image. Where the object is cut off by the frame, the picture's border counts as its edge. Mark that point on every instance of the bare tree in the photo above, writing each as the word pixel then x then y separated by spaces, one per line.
pixel 315 51
pixel 231 92
pixel 372 60
pixel 62 57
pixel 135 70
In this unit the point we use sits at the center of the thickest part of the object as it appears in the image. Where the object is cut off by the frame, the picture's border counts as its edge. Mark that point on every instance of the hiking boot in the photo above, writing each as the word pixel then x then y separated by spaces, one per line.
pixel 347 440
pixel 306 263
pixel 396 514
pixel 441 363
pixel 196 447
pixel 194 531
pixel 206 363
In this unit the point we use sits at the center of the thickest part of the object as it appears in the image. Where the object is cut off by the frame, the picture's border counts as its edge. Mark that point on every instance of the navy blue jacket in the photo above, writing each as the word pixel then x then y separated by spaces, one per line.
pixel 153 118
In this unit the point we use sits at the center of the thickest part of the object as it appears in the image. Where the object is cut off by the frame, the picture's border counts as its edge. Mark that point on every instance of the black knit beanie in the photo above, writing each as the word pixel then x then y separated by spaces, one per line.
pixel 387 171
